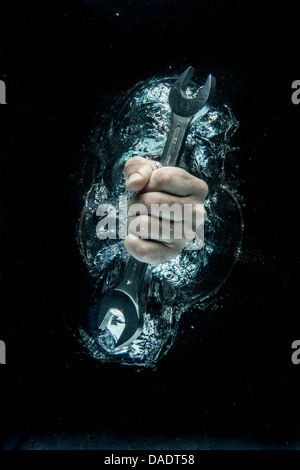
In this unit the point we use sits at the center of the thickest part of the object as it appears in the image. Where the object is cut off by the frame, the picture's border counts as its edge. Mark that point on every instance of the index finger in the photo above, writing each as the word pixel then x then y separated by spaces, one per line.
pixel 176 181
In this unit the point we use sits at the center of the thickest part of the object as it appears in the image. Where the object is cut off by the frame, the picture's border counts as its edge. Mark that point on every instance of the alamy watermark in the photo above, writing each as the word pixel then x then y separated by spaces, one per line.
pixel 296 93
pixel 296 354
pixel 167 222
pixel 2 352
pixel 2 92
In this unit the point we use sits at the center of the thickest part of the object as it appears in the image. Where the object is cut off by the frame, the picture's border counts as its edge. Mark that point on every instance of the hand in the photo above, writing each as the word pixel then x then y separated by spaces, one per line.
pixel 156 233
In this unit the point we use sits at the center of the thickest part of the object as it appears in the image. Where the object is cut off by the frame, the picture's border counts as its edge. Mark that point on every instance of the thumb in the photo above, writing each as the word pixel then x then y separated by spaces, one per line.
pixel 137 172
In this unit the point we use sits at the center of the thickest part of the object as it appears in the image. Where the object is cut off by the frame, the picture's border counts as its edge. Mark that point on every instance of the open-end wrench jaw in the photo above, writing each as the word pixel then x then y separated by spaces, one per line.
pixel 187 107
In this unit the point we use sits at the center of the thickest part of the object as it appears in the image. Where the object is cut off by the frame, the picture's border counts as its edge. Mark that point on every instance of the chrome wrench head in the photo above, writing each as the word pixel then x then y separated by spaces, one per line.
pixel 188 107
pixel 120 320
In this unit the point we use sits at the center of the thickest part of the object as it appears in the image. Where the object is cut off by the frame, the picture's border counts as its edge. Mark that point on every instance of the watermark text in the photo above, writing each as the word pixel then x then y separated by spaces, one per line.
pixel 2 92
pixel 2 352
pixel 158 222
pixel 296 354
pixel 296 93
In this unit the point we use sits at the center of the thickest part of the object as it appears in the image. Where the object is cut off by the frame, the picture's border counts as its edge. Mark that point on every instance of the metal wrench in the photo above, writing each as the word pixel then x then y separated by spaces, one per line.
pixel 120 318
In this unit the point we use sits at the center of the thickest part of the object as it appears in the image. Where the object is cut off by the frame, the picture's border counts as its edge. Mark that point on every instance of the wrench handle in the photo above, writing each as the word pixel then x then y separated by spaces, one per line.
pixel 176 137
pixel 135 270
pixel 133 277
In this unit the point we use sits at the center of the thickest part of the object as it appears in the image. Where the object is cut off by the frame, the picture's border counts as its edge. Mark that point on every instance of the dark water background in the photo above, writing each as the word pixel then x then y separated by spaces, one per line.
pixel 232 376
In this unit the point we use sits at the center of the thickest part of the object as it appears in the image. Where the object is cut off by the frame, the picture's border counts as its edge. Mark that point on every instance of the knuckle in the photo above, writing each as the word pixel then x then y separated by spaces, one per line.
pixel 143 252
pixel 133 164
pixel 133 161
pixel 163 175
pixel 201 187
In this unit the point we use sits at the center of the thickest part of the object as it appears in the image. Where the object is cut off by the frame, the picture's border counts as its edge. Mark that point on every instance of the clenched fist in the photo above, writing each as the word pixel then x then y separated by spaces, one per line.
pixel 166 211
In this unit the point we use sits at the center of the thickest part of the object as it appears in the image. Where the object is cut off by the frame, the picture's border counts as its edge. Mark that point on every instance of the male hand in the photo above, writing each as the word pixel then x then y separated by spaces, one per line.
pixel 156 233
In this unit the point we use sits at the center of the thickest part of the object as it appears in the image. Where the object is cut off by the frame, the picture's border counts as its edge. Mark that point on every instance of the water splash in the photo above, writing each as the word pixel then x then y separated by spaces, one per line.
pixel 139 126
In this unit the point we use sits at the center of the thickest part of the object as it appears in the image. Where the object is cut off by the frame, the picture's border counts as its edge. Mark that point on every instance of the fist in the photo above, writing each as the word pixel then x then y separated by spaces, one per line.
pixel 166 211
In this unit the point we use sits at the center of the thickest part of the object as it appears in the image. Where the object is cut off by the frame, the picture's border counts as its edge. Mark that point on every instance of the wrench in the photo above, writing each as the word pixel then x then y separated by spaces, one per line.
pixel 120 317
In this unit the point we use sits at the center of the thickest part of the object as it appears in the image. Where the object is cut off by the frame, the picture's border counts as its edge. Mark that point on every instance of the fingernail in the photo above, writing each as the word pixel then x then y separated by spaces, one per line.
pixel 133 178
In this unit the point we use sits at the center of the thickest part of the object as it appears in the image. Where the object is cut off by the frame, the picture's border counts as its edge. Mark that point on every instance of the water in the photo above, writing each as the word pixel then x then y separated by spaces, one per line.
pixel 138 126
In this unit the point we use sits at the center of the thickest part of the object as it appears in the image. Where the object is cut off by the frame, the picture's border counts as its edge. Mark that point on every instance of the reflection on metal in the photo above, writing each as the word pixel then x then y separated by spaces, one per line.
pixel 111 329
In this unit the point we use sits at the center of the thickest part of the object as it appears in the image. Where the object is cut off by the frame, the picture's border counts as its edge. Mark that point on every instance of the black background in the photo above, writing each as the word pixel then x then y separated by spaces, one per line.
pixel 64 63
